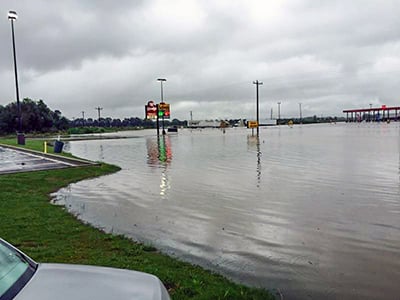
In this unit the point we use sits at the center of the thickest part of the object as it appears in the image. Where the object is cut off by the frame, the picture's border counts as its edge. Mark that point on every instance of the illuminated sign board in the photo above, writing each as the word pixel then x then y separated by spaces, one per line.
pixel 151 110
pixel 164 110
pixel 252 124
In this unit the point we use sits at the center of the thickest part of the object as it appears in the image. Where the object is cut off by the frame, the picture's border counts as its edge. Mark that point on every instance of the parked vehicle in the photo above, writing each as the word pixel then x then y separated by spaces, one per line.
pixel 21 278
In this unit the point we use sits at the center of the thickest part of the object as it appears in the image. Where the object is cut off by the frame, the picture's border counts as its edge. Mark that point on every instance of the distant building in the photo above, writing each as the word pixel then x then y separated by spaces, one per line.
pixel 268 122
pixel 240 123
pixel 204 124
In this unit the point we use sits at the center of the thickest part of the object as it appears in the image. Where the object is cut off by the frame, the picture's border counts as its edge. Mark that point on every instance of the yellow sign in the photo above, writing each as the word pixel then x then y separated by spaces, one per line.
pixel 252 124
pixel 163 106
pixel 163 110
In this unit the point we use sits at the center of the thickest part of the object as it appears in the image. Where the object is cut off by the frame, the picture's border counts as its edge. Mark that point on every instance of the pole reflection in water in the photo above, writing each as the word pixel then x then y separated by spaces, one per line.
pixel 253 144
pixel 159 155
pixel 101 152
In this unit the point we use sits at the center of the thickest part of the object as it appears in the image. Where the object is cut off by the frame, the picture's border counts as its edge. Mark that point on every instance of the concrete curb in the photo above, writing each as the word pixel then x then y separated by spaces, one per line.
pixel 75 162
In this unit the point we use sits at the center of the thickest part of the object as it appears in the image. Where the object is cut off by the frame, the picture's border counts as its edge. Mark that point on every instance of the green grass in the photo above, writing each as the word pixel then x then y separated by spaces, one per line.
pixel 34 144
pixel 29 144
pixel 49 233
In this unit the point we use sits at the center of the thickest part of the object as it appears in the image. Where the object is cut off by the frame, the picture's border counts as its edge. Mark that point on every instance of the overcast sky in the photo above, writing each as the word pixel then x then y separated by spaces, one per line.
pixel 79 54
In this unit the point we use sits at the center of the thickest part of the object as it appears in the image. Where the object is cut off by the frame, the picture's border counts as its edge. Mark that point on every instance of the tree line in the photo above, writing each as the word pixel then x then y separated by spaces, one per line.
pixel 37 117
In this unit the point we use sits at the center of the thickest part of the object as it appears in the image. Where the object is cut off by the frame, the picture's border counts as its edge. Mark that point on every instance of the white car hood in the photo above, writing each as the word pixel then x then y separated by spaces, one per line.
pixel 58 281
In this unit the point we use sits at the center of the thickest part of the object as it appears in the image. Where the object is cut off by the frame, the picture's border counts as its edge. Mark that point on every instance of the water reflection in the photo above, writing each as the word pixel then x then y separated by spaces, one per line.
pixel 253 144
pixel 159 154
pixel 158 150
pixel 101 152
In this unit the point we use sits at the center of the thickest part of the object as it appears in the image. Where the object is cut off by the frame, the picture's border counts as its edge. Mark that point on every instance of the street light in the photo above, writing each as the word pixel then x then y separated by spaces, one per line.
pixel 161 80
pixel 279 113
pixel 257 83
pixel 12 16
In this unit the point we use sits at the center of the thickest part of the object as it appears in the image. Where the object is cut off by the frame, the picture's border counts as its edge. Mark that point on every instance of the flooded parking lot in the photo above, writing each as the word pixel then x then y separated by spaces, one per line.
pixel 311 210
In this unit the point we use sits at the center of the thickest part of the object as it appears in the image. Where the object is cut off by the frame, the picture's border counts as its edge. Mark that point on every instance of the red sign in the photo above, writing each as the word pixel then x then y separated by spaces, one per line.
pixel 151 110
pixel 383 106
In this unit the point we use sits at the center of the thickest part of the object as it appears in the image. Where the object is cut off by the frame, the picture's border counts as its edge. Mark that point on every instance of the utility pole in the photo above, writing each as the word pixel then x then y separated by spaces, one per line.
pixel 257 83
pixel 369 112
pixel 83 117
pixel 301 117
pixel 98 111
pixel 279 113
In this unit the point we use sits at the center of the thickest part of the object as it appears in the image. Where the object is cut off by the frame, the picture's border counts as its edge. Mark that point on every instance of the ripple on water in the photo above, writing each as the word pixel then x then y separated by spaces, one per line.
pixel 312 211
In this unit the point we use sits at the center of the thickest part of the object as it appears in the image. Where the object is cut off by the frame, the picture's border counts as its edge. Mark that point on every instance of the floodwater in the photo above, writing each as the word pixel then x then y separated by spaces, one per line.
pixel 311 212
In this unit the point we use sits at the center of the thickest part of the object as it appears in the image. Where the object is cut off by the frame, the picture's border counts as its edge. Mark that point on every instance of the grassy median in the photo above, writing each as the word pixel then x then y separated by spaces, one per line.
pixel 49 233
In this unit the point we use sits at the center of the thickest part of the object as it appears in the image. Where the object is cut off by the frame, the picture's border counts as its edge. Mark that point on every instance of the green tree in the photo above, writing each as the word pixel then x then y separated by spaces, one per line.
pixel 36 117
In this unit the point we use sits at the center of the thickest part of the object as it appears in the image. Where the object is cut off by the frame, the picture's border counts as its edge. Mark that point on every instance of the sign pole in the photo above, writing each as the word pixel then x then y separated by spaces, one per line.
pixel 257 83
pixel 158 123
pixel 163 129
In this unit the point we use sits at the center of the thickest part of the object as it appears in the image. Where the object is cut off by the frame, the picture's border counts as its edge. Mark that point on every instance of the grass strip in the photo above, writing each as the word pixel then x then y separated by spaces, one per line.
pixel 49 233
pixel 34 144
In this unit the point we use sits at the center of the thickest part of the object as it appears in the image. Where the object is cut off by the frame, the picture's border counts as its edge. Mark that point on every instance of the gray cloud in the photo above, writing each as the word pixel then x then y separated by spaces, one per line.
pixel 329 55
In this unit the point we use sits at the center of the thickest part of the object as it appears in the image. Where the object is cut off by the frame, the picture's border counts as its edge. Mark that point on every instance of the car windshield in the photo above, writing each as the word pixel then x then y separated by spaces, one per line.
pixel 12 267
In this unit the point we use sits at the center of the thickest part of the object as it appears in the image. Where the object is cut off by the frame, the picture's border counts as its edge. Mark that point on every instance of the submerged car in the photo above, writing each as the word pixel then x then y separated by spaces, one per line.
pixel 21 278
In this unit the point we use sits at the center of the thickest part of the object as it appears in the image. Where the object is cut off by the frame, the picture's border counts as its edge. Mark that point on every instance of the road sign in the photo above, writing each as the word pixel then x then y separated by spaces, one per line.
pixel 151 110
pixel 165 109
pixel 252 124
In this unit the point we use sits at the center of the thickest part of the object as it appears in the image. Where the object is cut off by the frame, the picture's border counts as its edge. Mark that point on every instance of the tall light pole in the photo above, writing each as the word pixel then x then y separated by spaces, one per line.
pixel 161 80
pixel 301 116
pixel 257 83
pixel 279 113
pixel 12 16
